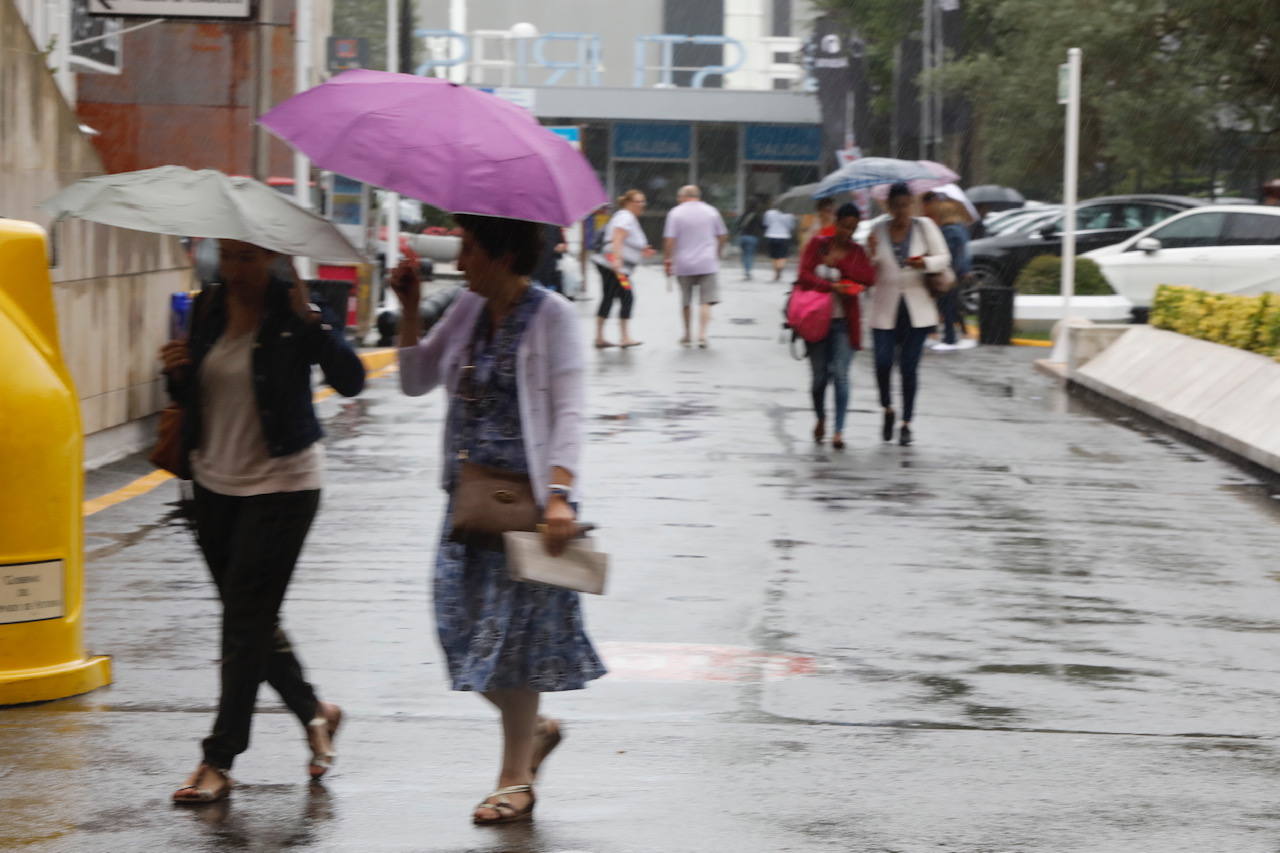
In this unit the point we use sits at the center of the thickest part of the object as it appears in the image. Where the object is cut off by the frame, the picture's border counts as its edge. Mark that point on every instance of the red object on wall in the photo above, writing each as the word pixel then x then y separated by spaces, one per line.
pixel 336 272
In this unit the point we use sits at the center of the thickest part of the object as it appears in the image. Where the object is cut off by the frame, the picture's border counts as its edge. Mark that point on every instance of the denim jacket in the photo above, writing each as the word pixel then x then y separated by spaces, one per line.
pixel 283 353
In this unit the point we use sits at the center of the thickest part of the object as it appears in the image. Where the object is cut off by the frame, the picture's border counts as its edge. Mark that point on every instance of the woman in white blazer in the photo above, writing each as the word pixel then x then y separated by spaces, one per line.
pixel 903 313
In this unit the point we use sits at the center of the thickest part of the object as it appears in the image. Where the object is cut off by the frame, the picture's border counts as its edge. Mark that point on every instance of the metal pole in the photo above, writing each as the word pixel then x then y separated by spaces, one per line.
pixel 302 81
pixel 926 61
pixel 939 55
pixel 1070 177
pixel 392 248
pixel 262 91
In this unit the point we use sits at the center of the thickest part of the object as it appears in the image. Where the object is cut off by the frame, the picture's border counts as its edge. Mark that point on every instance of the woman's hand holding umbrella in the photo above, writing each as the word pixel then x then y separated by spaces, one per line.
pixel 407 285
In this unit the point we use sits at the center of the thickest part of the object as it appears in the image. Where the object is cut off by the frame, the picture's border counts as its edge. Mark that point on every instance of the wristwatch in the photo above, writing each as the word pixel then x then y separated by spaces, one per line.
pixel 565 492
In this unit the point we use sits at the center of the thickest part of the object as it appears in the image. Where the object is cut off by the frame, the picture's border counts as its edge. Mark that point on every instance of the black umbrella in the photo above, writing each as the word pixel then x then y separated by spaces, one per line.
pixel 994 194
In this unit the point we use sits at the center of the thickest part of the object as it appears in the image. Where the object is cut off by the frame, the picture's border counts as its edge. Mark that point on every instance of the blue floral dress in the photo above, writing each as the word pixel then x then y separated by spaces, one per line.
pixel 496 632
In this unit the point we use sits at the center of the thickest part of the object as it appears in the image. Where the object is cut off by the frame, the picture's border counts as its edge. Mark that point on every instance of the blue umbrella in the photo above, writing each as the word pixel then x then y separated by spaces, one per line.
pixel 870 172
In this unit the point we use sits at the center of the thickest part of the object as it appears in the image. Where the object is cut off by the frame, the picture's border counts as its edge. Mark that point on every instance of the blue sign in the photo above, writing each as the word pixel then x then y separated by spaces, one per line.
pixel 571 135
pixel 652 141
pixel 783 143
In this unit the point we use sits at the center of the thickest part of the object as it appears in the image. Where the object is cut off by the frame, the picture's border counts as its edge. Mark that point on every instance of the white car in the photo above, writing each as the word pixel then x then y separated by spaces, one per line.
pixel 1223 248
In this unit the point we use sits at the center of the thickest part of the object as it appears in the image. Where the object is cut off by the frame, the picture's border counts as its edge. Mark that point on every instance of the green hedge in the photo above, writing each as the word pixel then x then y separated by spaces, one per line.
pixel 1245 322
pixel 1043 276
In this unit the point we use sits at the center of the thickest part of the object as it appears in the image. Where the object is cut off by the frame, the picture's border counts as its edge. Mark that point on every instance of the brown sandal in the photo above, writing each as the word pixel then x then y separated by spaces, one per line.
pixel 199 796
pixel 506 812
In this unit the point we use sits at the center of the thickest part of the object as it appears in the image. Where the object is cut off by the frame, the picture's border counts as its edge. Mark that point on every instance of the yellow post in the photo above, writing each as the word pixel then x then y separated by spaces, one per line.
pixel 41 488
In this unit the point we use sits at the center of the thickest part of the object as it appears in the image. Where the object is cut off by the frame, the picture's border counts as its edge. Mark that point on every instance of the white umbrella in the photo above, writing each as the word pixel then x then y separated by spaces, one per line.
pixel 184 203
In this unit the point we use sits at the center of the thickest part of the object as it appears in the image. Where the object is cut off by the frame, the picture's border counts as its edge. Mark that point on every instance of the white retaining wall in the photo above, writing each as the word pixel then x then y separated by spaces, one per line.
pixel 1223 395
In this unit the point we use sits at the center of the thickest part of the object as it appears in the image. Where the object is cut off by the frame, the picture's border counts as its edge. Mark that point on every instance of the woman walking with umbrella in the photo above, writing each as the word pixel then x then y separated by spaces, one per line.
pixel 903 313
pixel 510 357
pixel 244 379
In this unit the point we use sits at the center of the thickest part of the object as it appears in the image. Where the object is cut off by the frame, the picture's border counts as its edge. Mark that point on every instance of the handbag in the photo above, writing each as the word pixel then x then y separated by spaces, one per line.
pixel 938 283
pixel 167 455
pixel 487 501
pixel 809 313
pixel 579 567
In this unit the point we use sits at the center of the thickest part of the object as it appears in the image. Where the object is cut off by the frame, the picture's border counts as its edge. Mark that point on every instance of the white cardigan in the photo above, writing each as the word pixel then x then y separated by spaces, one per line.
pixel 894 283
pixel 549 374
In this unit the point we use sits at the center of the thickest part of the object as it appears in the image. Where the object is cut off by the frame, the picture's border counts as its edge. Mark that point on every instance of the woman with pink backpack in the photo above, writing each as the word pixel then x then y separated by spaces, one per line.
pixel 823 309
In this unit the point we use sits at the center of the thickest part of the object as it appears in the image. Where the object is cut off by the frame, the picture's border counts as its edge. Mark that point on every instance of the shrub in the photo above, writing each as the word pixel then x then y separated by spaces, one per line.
pixel 1043 276
pixel 1244 322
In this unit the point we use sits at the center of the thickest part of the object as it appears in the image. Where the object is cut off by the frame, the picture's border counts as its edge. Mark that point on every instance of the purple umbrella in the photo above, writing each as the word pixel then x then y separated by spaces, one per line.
pixel 453 147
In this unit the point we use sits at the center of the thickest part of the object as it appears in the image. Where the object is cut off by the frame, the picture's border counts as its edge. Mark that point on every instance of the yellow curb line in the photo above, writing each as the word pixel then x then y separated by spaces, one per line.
pixel 1029 342
pixel 378 362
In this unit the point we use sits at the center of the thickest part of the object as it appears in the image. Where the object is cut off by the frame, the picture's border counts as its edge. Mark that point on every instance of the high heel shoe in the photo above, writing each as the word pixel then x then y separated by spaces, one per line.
pixel 820 431
pixel 329 718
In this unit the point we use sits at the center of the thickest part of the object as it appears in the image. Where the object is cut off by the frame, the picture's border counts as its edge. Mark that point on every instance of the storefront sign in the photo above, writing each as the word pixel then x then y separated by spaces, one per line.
pixel 172 8
pixel 652 141
pixel 30 592
pixel 346 54
pixel 783 143
pixel 571 134
pixel 524 98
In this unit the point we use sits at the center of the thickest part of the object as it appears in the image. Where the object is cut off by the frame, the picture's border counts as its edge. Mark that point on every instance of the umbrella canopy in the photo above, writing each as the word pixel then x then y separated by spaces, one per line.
pixel 451 146
pixel 869 172
pixel 994 194
pixel 184 203
pixel 800 199
pixel 954 192
pixel 939 176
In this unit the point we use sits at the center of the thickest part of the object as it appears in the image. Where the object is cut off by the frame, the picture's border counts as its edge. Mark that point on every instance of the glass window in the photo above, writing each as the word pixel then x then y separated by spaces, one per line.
pixel 659 180
pixel 1136 216
pixel 1199 229
pixel 718 167
pixel 1252 229
pixel 1096 217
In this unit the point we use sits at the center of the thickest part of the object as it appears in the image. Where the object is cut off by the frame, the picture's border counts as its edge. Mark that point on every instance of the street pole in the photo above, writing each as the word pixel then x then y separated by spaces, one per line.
pixel 302 25
pixel 262 91
pixel 1070 177
pixel 392 248
pixel 926 82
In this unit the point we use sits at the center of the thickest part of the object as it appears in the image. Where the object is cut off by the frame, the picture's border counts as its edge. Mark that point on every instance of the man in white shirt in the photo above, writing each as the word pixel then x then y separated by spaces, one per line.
pixel 778 230
pixel 693 237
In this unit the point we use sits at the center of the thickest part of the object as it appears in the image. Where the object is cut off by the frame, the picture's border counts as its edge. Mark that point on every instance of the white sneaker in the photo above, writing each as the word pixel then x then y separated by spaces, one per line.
pixel 966 343
pixel 941 347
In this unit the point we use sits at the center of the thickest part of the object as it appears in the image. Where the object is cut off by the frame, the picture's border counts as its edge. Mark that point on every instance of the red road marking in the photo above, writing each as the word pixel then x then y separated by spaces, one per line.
pixel 686 662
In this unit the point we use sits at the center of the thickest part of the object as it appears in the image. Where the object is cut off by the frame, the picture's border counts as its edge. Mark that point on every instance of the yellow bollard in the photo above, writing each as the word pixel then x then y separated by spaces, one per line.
pixel 41 488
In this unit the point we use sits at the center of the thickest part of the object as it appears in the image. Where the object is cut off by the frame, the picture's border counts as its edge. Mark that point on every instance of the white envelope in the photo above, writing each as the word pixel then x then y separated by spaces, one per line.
pixel 580 567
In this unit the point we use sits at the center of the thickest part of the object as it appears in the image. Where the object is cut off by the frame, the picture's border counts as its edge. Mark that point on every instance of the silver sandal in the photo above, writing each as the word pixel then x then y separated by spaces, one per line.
pixel 507 813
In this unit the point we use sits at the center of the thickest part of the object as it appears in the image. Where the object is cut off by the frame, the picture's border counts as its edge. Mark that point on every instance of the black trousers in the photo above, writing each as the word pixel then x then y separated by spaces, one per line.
pixel 251 545
pixel 613 289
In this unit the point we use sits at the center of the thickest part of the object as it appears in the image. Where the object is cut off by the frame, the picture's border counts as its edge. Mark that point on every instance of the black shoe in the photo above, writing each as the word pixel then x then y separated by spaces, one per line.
pixel 904 437
pixel 887 429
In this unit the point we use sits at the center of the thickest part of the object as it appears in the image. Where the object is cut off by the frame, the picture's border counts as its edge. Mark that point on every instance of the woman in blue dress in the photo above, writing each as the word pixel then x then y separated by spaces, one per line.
pixel 509 354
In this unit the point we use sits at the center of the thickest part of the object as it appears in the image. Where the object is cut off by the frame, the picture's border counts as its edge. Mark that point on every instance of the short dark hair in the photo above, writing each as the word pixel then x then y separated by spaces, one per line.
pixel 824 203
pixel 930 196
pixel 901 188
pixel 520 239
pixel 848 209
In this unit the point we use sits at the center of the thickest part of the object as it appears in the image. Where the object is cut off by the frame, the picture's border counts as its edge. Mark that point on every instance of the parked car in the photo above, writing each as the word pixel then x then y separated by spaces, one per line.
pixel 1222 248
pixel 1099 222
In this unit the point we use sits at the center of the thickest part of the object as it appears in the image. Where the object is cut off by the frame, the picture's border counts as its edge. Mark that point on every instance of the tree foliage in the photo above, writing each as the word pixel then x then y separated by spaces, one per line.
pixel 1176 93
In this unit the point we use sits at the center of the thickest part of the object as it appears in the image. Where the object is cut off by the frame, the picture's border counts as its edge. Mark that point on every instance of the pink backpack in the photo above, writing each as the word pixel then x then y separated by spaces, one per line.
pixel 809 313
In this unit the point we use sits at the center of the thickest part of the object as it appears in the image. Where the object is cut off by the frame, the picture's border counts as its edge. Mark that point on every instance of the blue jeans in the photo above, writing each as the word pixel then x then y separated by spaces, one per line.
pixel 748 244
pixel 904 344
pixel 829 361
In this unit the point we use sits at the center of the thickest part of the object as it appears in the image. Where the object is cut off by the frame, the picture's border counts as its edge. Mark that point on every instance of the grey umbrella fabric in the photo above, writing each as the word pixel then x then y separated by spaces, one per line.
pixel 994 194
pixel 799 199
pixel 185 203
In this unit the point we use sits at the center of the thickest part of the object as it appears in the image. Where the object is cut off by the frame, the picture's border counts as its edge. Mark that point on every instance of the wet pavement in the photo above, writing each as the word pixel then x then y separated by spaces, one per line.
pixel 1042 628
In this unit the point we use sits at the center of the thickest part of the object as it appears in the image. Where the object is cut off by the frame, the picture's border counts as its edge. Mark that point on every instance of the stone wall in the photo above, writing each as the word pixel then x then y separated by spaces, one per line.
pixel 111 285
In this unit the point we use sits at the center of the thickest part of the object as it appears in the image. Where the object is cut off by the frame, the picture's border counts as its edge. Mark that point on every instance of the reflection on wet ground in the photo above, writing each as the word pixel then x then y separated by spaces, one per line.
pixel 1045 627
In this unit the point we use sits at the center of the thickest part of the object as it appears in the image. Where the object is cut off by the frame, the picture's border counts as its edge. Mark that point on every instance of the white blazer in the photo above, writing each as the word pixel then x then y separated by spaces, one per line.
pixel 894 283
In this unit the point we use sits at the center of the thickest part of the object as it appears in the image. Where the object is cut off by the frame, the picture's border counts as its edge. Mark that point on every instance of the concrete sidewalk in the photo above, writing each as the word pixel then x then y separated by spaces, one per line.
pixel 1036 630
